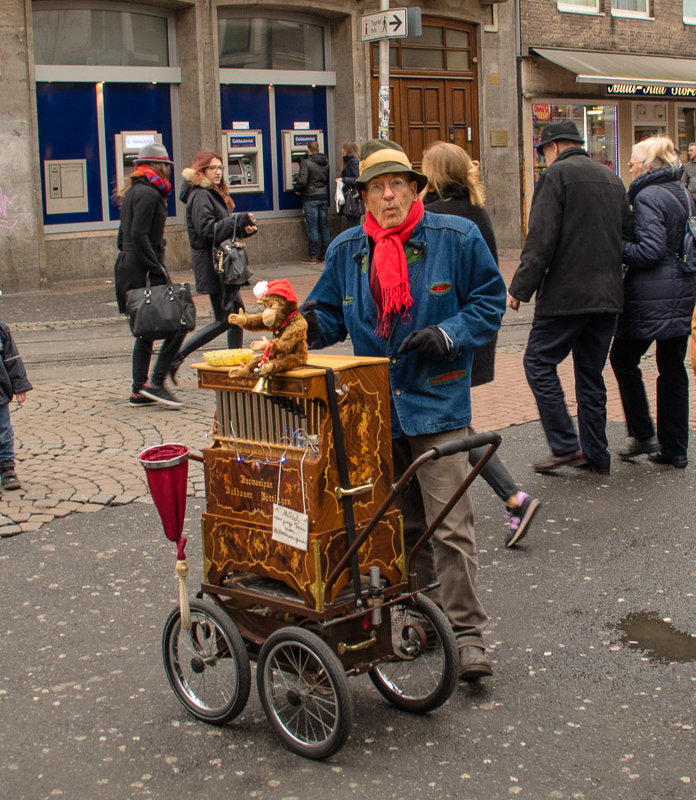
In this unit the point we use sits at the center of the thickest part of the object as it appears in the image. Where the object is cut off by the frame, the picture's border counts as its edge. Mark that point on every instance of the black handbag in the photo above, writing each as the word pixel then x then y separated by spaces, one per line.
pixel 354 206
pixel 230 259
pixel 160 312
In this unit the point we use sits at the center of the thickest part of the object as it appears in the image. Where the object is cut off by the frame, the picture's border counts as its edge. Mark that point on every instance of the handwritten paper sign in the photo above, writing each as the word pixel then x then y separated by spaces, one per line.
pixel 290 527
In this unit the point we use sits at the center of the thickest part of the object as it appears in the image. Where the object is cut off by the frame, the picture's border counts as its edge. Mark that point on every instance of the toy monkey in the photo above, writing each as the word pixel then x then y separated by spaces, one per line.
pixel 288 347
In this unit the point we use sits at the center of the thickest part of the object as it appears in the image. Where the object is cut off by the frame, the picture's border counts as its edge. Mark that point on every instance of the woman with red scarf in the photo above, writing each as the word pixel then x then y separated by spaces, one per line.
pixel 141 251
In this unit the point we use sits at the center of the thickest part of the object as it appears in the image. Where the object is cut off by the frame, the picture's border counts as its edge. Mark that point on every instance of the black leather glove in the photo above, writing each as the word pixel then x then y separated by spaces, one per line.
pixel 246 221
pixel 428 343
pixel 313 329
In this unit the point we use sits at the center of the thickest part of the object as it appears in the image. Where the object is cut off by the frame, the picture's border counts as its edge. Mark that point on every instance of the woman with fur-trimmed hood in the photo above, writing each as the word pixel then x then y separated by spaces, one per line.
pixel 208 203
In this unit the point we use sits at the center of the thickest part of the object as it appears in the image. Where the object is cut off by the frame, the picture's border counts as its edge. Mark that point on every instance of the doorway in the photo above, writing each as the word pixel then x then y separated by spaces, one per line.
pixel 433 88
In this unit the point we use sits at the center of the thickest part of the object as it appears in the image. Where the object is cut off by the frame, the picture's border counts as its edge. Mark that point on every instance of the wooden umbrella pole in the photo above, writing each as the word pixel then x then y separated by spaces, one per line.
pixel 182 571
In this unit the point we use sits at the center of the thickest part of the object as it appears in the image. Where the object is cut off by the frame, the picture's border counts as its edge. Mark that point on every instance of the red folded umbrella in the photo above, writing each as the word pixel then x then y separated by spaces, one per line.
pixel 166 468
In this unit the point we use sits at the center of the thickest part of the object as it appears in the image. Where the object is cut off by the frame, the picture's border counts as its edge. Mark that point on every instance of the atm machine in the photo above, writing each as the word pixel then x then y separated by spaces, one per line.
pixel 243 155
pixel 294 150
pixel 127 145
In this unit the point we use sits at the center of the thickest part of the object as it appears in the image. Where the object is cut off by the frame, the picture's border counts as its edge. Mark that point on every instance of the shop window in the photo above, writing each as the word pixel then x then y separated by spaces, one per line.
pixel 629 8
pixel 690 12
pixel 596 123
pixel 579 6
pixel 686 130
pixel 265 43
pixel 83 36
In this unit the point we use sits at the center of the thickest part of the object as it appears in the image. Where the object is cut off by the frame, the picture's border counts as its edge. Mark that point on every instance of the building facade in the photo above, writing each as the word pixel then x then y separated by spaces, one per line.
pixel 84 84
pixel 623 70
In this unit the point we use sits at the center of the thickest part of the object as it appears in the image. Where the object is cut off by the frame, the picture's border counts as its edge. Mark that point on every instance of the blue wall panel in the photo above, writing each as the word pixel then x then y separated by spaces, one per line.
pixel 138 107
pixel 67 117
pixel 250 104
pixel 297 104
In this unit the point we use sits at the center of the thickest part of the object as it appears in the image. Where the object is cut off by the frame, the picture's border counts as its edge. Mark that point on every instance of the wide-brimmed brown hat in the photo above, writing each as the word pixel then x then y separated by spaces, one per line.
pixel 382 156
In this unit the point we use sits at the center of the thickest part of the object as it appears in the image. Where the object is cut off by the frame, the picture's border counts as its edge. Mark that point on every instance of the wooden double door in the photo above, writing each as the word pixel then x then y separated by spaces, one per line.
pixel 428 107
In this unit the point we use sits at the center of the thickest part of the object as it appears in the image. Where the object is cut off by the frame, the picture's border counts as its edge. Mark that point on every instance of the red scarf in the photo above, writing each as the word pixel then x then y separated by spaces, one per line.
pixel 160 183
pixel 389 263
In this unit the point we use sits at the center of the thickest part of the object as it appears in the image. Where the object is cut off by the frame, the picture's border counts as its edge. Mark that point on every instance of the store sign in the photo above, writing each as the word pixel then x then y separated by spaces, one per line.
pixel 640 90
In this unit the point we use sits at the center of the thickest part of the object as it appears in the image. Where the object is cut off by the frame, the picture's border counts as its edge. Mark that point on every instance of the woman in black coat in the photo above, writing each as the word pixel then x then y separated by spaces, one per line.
pixel 658 305
pixel 454 188
pixel 210 209
pixel 141 251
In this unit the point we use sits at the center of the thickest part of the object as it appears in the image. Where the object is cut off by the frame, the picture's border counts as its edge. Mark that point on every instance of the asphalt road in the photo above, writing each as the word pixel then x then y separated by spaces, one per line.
pixel 592 635
pixel 574 710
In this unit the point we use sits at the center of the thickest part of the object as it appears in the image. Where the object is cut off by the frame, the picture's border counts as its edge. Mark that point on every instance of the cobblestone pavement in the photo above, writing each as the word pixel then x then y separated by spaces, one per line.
pixel 77 446
pixel 77 443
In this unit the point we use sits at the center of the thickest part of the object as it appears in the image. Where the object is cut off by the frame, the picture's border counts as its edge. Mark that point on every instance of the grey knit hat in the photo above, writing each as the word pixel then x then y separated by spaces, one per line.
pixel 154 153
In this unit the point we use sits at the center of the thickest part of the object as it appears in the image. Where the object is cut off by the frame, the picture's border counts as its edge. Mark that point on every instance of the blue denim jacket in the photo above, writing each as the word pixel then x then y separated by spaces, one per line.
pixel 455 284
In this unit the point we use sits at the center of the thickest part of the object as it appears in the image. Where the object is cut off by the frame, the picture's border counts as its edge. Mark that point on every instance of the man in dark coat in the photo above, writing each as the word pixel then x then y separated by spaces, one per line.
pixel 312 183
pixel 688 176
pixel 572 260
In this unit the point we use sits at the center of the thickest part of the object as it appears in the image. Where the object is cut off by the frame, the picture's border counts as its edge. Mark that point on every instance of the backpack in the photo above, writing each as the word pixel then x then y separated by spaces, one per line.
pixel 687 257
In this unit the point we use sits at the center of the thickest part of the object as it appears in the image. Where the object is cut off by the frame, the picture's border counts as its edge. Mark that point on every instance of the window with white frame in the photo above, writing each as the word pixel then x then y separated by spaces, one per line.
pixel 579 6
pixel 690 12
pixel 629 8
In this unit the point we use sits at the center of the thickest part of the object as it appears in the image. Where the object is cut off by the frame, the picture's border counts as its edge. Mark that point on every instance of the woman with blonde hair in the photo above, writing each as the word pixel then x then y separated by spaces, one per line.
pixel 210 219
pixel 353 208
pixel 658 305
pixel 454 187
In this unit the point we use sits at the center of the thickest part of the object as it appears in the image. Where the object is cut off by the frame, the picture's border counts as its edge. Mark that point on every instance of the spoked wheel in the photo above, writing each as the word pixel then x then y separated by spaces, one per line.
pixel 304 692
pixel 208 666
pixel 423 671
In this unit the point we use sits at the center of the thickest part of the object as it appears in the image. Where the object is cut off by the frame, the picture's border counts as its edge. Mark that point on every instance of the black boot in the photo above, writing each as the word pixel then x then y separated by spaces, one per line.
pixel 174 368
pixel 8 476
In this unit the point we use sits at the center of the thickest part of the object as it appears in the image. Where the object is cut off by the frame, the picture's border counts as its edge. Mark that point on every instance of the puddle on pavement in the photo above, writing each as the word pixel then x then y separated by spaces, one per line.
pixel 659 640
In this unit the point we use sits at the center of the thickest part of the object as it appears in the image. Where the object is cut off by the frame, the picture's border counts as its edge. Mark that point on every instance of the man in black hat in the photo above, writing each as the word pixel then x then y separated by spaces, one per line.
pixel 424 290
pixel 572 259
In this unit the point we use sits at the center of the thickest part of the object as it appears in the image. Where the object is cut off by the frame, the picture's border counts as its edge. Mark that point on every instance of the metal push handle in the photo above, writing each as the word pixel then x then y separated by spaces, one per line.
pixel 467 443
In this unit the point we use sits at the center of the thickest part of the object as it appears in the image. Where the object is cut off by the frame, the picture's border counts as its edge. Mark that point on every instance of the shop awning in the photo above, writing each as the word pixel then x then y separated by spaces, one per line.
pixel 623 68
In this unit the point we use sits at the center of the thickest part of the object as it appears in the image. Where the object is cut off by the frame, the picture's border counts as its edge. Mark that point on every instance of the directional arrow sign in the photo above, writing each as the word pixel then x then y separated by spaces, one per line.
pixel 384 24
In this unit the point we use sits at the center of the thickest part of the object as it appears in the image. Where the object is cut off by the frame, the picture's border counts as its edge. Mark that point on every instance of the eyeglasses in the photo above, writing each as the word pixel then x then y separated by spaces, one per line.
pixel 632 164
pixel 395 184
pixel 215 167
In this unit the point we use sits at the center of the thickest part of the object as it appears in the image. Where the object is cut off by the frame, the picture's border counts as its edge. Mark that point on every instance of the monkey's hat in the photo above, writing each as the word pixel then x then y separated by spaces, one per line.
pixel 280 287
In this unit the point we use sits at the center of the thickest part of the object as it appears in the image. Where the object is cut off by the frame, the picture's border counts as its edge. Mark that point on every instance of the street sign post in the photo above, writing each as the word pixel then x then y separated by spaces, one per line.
pixel 388 23
pixel 384 24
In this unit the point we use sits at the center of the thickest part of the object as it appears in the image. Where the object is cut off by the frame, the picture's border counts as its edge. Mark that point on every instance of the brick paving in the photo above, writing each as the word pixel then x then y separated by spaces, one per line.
pixel 77 443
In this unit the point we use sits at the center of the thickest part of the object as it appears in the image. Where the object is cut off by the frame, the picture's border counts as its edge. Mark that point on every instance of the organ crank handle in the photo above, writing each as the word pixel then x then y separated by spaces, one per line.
pixel 355 490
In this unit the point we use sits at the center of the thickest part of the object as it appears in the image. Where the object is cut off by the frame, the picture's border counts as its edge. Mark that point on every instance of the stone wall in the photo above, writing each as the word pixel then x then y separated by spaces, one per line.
pixel 543 25
pixel 21 229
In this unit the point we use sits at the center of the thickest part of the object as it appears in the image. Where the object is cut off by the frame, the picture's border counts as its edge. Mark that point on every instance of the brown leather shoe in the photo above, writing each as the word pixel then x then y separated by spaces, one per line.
pixel 473 663
pixel 548 465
